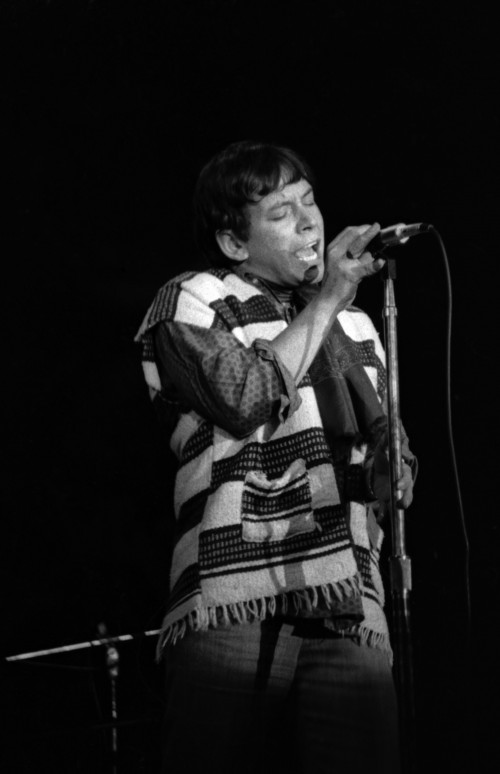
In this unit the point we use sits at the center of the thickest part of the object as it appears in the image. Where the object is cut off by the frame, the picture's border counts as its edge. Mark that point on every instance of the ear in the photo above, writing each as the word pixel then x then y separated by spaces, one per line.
pixel 231 246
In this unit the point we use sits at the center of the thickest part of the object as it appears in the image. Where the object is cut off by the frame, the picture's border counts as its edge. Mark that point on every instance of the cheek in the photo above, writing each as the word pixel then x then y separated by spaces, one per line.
pixel 270 245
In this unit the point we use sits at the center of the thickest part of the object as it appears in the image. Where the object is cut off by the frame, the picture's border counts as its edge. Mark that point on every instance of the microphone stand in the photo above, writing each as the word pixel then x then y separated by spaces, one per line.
pixel 112 664
pixel 399 561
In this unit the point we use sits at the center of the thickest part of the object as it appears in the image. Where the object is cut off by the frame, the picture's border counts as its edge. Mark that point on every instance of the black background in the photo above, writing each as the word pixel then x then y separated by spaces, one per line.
pixel 111 107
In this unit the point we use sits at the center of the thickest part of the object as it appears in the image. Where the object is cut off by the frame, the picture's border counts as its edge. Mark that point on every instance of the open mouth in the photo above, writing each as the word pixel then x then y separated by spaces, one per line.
pixel 309 252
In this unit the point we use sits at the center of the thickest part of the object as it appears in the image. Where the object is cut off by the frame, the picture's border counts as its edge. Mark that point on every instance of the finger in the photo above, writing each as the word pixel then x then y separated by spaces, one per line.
pixel 405 481
pixel 405 493
pixel 406 474
pixel 406 500
pixel 369 264
pixel 349 236
pixel 362 239
pixel 344 238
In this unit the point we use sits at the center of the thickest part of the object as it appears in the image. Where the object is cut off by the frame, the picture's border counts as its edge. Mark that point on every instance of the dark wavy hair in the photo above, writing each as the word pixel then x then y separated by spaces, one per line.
pixel 240 174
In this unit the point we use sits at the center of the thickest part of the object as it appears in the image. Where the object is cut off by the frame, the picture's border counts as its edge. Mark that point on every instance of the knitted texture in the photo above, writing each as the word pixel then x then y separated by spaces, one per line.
pixel 261 524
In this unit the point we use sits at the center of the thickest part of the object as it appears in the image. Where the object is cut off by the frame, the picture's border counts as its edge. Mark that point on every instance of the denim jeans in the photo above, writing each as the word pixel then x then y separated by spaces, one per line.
pixel 260 697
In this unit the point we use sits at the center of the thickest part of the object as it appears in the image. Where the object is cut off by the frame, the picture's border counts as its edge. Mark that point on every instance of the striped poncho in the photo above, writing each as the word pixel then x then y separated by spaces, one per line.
pixel 262 524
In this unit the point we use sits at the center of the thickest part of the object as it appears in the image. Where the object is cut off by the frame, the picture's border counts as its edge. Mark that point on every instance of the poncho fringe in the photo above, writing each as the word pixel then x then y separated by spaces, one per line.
pixel 202 619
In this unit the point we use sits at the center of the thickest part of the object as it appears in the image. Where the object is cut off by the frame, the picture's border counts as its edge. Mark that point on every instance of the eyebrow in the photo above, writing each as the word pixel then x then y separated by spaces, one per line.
pixel 288 201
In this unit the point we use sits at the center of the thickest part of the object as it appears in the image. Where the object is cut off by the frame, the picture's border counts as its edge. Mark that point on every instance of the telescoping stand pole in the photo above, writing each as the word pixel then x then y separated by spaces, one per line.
pixel 112 664
pixel 399 561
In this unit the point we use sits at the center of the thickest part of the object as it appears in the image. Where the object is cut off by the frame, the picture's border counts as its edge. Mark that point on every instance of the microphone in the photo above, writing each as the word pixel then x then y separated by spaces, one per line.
pixel 396 235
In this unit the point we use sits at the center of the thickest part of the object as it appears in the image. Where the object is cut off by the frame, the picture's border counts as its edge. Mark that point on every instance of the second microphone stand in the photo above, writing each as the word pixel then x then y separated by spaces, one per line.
pixel 399 561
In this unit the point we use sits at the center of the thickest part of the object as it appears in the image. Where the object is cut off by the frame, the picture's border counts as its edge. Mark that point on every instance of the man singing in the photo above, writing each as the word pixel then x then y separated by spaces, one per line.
pixel 270 385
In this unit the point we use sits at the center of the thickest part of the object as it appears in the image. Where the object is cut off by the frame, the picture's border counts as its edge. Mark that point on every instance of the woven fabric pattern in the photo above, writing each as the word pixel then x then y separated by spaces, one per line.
pixel 238 557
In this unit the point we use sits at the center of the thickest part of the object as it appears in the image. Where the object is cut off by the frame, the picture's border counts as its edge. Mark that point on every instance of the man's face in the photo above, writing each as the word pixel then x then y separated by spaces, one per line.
pixel 286 239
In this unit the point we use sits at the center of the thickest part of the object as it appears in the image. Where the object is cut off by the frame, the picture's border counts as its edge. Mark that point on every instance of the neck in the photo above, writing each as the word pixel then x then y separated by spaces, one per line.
pixel 282 294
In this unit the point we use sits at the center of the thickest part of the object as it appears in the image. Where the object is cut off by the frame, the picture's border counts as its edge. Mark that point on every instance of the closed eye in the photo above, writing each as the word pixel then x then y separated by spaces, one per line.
pixel 280 214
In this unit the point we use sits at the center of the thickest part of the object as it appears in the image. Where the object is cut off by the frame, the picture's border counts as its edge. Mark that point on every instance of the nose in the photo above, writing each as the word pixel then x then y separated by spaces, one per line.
pixel 305 219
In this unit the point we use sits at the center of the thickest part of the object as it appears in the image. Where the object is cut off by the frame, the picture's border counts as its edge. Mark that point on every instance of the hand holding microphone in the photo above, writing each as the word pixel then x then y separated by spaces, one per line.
pixel 348 261
pixel 363 247
pixel 396 235
pixel 390 237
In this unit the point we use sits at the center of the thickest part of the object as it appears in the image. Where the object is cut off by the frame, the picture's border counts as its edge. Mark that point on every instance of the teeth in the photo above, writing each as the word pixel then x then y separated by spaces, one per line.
pixel 307 253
